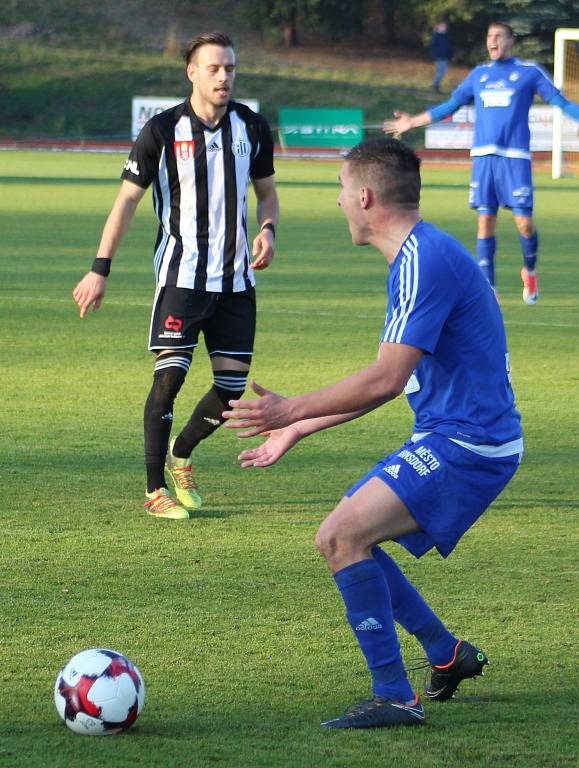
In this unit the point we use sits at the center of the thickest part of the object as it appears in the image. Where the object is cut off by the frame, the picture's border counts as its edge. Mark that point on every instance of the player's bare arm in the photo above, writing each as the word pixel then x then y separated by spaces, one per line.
pixel 91 289
pixel 267 214
pixel 404 122
pixel 280 441
pixel 366 389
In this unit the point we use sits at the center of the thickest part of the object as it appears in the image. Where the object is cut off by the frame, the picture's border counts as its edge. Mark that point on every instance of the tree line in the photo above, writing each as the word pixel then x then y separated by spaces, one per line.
pixel 399 22
pixel 385 24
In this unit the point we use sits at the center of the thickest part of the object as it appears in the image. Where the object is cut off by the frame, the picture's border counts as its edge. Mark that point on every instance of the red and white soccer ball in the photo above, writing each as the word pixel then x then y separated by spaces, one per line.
pixel 99 692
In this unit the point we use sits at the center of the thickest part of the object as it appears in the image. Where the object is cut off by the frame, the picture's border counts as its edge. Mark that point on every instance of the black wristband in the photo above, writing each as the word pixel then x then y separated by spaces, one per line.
pixel 268 225
pixel 101 267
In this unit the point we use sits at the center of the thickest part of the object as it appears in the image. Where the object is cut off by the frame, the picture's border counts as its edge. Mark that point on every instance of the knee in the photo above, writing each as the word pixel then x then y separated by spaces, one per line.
pixel 325 543
pixel 526 226
pixel 334 545
pixel 229 384
pixel 168 379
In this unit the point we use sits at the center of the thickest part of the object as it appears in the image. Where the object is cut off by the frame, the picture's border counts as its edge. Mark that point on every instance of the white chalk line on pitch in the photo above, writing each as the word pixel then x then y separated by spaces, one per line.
pixel 296 312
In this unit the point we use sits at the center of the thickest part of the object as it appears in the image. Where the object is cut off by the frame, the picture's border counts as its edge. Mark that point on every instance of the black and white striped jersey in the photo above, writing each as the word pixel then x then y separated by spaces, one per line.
pixel 200 178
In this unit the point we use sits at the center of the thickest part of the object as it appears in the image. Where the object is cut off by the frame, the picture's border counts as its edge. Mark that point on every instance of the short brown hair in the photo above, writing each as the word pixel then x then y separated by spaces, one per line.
pixel 507 27
pixel 206 38
pixel 391 168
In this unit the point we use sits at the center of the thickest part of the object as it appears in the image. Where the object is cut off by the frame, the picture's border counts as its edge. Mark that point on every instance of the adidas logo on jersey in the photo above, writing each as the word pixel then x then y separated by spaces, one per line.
pixel 368 624
pixel 393 471
pixel 214 147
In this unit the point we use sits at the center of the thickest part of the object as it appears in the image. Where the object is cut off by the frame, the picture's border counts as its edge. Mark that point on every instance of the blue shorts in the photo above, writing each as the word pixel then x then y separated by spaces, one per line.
pixel 445 487
pixel 501 182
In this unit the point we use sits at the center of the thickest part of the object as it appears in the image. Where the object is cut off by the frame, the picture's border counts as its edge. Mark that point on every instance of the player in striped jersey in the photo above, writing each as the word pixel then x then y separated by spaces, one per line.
pixel 199 157
pixel 444 345
pixel 502 91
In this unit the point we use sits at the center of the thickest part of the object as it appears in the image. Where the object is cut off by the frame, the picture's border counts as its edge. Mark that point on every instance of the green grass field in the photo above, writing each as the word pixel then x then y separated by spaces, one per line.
pixel 232 617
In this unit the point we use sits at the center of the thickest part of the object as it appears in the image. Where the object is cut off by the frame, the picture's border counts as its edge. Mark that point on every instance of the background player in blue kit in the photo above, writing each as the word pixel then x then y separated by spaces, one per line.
pixel 444 345
pixel 502 91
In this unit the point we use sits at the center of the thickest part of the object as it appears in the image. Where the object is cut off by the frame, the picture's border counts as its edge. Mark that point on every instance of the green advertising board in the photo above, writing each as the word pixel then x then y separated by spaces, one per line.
pixel 339 128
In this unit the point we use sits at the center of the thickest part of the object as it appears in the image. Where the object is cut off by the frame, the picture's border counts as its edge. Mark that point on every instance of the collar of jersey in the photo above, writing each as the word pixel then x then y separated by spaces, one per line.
pixel 504 62
pixel 200 124
pixel 412 231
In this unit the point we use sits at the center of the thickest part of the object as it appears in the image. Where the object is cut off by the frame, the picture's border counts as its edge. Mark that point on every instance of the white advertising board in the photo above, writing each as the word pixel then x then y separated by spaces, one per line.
pixel 456 132
pixel 145 107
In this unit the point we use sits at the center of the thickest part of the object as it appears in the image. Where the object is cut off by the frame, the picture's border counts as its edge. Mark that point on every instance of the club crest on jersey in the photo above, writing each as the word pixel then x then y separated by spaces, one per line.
pixel 241 148
pixel 184 150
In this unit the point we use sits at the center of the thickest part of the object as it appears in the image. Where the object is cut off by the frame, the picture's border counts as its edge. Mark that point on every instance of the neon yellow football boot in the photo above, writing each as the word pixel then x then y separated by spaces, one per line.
pixel 181 473
pixel 160 504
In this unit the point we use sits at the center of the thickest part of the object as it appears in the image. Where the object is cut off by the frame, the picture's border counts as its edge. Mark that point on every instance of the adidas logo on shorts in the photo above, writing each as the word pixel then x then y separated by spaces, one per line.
pixel 393 470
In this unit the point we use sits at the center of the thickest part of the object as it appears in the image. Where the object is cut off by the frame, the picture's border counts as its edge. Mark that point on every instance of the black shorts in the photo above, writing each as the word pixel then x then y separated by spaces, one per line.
pixel 227 321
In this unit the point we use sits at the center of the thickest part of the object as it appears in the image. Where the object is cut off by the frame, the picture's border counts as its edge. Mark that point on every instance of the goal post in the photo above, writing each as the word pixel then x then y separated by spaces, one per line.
pixel 566 77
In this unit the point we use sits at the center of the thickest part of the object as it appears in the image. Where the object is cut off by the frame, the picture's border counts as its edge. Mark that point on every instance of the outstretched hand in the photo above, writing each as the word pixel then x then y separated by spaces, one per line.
pixel 399 125
pixel 277 444
pixel 255 417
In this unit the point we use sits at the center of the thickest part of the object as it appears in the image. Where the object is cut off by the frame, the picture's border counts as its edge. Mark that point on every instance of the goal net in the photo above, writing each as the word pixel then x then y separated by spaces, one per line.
pixel 566 77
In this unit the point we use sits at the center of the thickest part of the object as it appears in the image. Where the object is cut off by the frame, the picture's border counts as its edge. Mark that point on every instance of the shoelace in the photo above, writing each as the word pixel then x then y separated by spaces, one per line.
pixel 418 663
pixel 184 477
pixel 161 502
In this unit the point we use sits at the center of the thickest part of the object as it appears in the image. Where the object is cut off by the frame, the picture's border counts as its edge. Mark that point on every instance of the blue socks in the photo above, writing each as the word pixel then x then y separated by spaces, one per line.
pixel 412 612
pixel 485 252
pixel 376 593
pixel 530 246
pixel 486 248
pixel 369 611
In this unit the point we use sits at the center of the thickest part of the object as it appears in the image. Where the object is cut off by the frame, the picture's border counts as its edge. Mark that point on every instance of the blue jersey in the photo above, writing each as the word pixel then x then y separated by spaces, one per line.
pixel 440 303
pixel 503 92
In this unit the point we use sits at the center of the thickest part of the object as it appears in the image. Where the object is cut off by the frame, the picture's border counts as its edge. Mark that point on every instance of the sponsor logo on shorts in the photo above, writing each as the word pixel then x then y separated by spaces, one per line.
pixel 422 460
pixel 184 150
pixel 173 323
pixel 393 470
pixel 173 326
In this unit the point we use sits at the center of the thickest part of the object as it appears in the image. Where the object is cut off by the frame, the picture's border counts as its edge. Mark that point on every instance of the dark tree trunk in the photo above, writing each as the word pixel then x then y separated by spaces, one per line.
pixel 389 20
pixel 289 29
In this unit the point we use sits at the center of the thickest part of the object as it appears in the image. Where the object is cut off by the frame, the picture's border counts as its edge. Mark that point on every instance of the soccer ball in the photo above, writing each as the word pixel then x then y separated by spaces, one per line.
pixel 99 692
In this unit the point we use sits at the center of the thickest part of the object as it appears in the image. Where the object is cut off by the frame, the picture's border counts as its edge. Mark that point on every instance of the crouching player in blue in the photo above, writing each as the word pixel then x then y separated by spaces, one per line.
pixel 502 91
pixel 444 345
